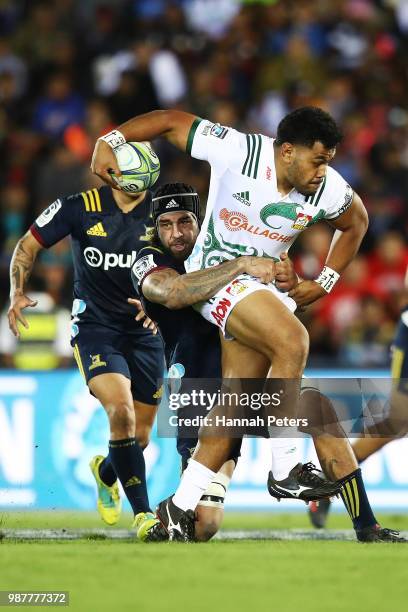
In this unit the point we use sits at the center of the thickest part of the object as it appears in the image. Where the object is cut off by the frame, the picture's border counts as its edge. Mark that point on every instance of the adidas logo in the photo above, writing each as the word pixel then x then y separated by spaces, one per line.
pixel 172 204
pixel 243 197
pixel 97 230
pixel 133 481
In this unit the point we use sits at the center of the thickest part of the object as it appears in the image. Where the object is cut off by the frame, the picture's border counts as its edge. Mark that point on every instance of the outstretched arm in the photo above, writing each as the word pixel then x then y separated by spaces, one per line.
pixel 21 266
pixel 175 291
pixel 171 124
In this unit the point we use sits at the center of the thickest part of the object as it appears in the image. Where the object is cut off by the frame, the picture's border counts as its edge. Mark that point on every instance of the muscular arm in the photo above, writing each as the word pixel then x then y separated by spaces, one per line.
pixel 170 124
pixel 175 291
pixel 21 266
pixel 22 262
pixel 350 227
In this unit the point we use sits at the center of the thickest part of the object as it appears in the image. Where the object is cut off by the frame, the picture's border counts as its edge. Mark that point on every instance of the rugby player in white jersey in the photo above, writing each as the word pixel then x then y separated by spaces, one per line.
pixel 263 193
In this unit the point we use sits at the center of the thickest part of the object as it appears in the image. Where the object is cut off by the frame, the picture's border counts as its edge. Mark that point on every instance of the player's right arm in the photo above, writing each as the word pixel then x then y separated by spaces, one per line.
pixel 173 125
pixel 54 223
pixel 164 285
pixel 21 266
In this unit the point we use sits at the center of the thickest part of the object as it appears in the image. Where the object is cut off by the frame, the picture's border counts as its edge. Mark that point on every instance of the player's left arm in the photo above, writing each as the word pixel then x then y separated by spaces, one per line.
pixel 351 227
pixel 174 290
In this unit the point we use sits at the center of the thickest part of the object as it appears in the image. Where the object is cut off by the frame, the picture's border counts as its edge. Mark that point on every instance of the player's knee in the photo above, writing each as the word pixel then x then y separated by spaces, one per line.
pixel 206 529
pixel 121 417
pixel 319 412
pixel 209 519
pixel 143 433
pixel 293 345
pixel 210 509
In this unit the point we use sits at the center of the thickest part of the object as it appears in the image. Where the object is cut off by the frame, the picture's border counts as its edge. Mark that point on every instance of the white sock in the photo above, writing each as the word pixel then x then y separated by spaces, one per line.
pixel 285 455
pixel 194 482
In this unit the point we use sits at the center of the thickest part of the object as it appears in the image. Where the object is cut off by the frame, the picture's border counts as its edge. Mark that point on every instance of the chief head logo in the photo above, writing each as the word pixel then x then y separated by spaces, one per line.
pixel 233 220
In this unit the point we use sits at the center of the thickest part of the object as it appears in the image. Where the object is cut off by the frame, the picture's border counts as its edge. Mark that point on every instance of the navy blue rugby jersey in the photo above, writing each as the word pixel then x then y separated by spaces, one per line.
pixel 189 339
pixel 105 242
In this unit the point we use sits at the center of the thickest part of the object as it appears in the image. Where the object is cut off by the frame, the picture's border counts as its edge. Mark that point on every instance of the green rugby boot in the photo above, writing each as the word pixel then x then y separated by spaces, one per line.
pixel 109 502
pixel 149 528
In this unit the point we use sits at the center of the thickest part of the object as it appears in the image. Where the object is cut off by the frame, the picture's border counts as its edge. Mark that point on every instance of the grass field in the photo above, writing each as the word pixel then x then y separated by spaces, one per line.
pixel 231 575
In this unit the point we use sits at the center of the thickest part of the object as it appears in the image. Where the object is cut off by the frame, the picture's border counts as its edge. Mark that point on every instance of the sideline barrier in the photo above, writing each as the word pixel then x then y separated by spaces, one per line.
pixel 50 426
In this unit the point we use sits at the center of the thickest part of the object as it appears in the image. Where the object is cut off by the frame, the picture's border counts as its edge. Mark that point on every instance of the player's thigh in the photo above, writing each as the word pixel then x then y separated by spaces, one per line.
pixel 145 415
pixel 241 361
pixel 101 362
pixel 145 358
pixel 261 321
pixel 112 390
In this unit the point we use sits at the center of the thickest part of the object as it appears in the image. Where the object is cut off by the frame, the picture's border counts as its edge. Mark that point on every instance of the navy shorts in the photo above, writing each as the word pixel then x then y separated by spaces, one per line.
pixel 399 362
pixel 140 357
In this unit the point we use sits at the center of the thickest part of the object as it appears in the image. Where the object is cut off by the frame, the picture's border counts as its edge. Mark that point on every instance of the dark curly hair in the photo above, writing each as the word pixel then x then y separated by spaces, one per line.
pixel 307 125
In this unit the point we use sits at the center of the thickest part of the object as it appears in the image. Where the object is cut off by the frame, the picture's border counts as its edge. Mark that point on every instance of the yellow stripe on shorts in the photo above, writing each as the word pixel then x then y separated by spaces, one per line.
pixel 78 360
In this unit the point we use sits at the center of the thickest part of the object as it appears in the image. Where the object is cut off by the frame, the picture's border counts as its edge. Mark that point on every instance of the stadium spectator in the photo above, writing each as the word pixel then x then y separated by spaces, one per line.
pixel 247 66
pixel 59 108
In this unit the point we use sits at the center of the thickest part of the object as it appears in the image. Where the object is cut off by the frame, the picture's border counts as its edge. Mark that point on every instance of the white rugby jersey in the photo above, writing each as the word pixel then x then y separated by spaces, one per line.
pixel 246 214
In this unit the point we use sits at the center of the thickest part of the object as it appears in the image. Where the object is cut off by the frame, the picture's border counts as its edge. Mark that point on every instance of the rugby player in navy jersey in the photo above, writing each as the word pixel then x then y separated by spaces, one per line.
pixel 120 359
pixel 193 344
pixel 395 424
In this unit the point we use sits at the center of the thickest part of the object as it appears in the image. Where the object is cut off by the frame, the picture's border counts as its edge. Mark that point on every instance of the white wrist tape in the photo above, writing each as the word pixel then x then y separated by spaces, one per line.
pixel 327 278
pixel 114 138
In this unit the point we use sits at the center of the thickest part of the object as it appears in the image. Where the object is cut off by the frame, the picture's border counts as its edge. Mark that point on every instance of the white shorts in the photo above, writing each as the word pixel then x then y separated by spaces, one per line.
pixel 217 309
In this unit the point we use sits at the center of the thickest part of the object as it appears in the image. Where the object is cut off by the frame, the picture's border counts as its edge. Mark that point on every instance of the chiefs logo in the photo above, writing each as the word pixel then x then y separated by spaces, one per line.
pixel 233 220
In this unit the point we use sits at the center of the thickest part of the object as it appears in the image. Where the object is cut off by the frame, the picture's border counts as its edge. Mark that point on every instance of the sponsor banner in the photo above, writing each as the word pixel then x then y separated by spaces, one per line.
pixel 50 427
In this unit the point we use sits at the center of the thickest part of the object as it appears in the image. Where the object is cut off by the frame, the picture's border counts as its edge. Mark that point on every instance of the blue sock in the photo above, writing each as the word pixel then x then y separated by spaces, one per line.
pixel 355 499
pixel 106 471
pixel 128 462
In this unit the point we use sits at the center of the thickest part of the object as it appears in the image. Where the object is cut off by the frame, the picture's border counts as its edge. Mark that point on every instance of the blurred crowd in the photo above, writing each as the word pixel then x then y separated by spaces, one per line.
pixel 72 70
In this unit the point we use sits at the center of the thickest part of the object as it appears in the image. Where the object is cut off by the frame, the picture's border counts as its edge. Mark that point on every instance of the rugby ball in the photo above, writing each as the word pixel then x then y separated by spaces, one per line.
pixel 139 165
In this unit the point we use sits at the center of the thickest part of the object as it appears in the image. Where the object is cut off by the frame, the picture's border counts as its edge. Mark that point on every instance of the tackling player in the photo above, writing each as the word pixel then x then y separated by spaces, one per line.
pixel 263 193
pixel 120 360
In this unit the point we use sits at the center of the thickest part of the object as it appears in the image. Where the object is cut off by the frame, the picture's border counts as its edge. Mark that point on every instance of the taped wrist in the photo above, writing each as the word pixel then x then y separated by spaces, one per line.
pixel 114 138
pixel 327 278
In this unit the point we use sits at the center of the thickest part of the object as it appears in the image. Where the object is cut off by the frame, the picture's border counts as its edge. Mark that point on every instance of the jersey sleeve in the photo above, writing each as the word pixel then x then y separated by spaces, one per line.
pixel 56 221
pixel 337 195
pixel 220 146
pixel 150 259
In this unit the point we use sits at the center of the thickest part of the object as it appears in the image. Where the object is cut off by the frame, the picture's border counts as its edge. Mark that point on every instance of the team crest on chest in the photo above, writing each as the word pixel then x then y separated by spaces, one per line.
pixel 302 221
